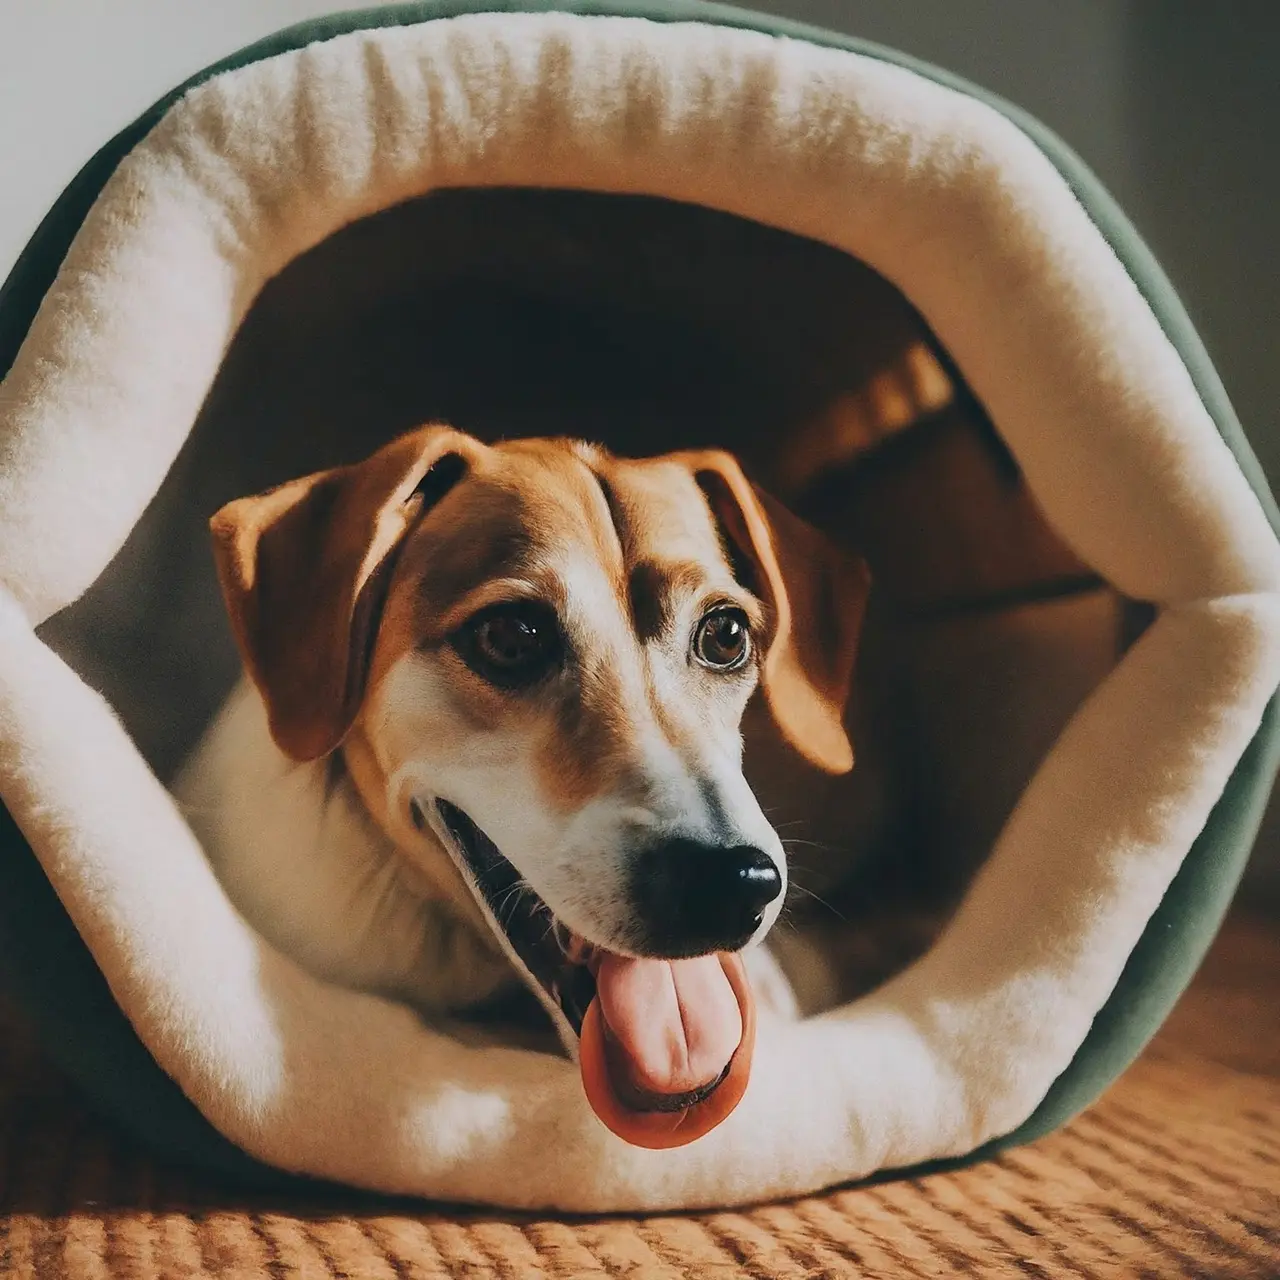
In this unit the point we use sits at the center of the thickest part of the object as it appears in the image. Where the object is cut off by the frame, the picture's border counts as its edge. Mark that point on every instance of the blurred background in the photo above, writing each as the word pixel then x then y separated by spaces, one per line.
pixel 1175 104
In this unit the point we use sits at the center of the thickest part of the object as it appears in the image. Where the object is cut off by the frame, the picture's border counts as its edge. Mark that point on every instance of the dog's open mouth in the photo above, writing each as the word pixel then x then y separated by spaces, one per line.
pixel 664 1046
pixel 556 959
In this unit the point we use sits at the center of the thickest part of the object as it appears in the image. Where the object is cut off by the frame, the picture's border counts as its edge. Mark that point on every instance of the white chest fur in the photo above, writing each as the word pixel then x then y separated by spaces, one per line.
pixel 305 864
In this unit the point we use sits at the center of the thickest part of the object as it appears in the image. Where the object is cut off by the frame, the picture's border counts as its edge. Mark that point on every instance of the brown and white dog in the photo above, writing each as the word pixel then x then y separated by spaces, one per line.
pixel 493 716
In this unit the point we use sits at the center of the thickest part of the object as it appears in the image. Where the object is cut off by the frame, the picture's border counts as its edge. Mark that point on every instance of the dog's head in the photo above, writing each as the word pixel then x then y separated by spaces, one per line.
pixel 540 655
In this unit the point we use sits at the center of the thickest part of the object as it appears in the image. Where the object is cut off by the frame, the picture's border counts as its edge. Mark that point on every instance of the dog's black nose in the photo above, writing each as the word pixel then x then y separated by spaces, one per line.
pixel 693 898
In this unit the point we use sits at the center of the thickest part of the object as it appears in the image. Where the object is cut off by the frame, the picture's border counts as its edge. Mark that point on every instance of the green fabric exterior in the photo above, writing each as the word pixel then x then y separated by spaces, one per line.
pixel 47 966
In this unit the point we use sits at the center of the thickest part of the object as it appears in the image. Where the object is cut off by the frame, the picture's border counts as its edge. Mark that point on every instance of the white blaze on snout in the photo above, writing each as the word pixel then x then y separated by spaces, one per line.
pixel 676 736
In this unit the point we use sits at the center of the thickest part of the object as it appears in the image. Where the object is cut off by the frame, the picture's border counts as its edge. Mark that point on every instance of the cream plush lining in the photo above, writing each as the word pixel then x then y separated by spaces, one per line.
pixel 941 195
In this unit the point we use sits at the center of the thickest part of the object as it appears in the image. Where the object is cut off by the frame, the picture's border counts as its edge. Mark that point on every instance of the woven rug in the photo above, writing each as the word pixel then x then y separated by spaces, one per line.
pixel 1175 1173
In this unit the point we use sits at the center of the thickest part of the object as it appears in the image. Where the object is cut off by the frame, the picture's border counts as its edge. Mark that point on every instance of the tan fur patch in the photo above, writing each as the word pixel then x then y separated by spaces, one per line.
pixel 519 521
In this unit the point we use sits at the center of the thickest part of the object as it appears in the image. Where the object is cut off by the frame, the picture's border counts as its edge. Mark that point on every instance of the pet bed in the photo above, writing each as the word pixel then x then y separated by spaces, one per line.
pixel 911 313
pixel 1172 1173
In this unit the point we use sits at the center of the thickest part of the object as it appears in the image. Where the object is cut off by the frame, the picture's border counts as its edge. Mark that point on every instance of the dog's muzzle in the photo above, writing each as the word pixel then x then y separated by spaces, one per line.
pixel 665 1037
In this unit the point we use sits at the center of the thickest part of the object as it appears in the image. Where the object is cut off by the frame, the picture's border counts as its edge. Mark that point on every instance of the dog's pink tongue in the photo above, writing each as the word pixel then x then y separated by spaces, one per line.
pixel 676 1021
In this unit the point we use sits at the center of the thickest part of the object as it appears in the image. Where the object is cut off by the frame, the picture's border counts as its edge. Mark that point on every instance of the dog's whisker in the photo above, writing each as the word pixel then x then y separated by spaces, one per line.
pixel 795 842
pixel 510 901
pixel 498 903
pixel 821 901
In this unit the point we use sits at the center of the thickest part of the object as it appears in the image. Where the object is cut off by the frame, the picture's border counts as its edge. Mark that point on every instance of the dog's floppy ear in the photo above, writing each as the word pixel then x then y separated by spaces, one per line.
pixel 817 594
pixel 304 570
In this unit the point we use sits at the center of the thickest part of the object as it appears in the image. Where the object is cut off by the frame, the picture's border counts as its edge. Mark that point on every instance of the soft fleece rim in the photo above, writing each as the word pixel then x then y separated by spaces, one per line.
pixel 1175 937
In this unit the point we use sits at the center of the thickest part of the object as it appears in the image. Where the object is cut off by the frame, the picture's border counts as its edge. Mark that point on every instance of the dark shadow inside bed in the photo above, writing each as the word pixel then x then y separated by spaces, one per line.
pixel 648 325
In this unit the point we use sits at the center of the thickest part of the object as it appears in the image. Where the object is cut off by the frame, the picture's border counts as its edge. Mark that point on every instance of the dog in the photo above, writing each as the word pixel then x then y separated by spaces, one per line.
pixel 491 722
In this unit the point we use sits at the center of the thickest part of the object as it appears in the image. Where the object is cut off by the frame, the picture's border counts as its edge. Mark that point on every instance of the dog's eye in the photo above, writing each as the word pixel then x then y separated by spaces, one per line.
pixel 723 639
pixel 511 645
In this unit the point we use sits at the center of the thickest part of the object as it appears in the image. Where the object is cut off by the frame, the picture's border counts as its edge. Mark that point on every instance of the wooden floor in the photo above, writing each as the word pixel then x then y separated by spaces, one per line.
pixel 1175 1173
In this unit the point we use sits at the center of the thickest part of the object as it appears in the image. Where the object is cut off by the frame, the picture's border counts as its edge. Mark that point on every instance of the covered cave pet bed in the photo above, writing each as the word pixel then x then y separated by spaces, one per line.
pixel 910 312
